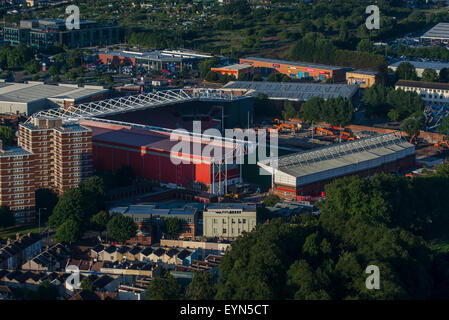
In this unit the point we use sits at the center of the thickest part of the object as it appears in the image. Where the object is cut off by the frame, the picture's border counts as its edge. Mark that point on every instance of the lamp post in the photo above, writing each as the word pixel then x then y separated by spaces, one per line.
pixel 40 218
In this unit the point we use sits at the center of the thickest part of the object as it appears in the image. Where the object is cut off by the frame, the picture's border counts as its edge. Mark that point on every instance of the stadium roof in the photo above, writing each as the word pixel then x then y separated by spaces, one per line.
pixel 293 63
pixel 233 67
pixel 423 65
pixel 438 32
pixel 35 91
pixel 294 91
pixel 323 163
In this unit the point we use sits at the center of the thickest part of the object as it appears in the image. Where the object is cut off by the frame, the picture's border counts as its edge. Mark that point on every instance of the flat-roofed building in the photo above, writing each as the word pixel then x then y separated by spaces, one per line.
pixel 297 70
pixel 430 92
pixel 306 173
pixel 31 97
pixel 420 66
pixel 437 34
pixel 296 92
pixel 234 70
pixel 363 78
pixel 228 220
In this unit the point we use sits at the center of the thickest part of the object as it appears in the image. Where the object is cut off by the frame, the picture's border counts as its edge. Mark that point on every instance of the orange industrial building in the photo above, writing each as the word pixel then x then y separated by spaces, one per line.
pixel 297 70
pixel 364 78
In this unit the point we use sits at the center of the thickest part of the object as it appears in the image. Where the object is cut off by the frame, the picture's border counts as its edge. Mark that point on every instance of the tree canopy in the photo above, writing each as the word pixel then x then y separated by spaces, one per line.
pixel 121 228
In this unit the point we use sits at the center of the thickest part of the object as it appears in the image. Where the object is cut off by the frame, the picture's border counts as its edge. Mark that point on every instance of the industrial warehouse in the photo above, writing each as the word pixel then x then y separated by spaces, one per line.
pixel 306 174
pixel 298 92
pixel 298 70
pixel 31 97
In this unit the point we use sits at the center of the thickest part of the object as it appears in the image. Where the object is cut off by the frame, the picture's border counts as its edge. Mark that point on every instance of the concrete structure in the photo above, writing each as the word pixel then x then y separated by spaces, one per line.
pixel 430 92
pixel 234 70
pixel 438 34
pixel 363 78
pixel 228 220
pixel 421 66
pixel 155 214
pixel 307 173
pixel 31 97
pixel 298 70
pixel 296 92
pixel 44 33
pixel 171 61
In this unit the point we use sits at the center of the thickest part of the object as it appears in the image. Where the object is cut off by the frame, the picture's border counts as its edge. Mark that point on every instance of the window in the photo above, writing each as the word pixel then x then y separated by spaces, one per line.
pixel 244 220
pixel 224 231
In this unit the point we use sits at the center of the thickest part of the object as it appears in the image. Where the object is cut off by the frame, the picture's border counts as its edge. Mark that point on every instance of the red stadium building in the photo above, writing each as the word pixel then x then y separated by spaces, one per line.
pixel 150 153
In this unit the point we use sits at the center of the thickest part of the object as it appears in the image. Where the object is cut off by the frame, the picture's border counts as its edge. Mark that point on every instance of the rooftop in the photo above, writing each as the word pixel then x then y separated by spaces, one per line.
pixel 295 90
pixel 233 67
pixel 423 65
pixel 439 31
pixel 292 63
pixel 421 84
pixel 35 91
pixel 232 206
pixel 341 155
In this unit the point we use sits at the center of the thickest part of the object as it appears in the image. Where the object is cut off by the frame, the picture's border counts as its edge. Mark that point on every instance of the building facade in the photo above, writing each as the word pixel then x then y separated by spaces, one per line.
pixel 430 92
pixel 63 153
pixel 45 33
pixel 228 220
pixel 49 155
pixel 363 78
pixel 296 70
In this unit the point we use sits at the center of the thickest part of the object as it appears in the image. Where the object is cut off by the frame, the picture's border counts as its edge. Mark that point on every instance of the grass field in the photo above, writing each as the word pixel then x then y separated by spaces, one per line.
pixel 10 232
pixel 441 245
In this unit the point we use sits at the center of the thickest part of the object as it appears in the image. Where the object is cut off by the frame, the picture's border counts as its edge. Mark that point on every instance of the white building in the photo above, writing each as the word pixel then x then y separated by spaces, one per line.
pixel 430 92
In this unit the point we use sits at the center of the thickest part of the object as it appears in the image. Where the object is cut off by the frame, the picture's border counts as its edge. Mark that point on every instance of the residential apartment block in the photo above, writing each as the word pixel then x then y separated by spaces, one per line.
pixel 229 220
pixel 63 153
pixel 17 171
pixel 50 155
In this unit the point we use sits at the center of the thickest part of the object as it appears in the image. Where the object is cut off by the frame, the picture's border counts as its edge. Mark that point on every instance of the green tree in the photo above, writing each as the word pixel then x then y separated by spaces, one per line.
pixel 45 199
pixel 164 288
pixel 6 135
pixel 46 291
pixel 86 284
pixel 429 75
pixel 366 45
pixel 289 111
pixel 444 75
pixel 69 206
pixel 32 66
pixel 121 228
pixel 173 226
pixel 412 126
pixel 406 71
pixel 69 231
pixel 100 220
pixel 202 286
pixel 443 128
pixel 6 217
pixel 271 200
